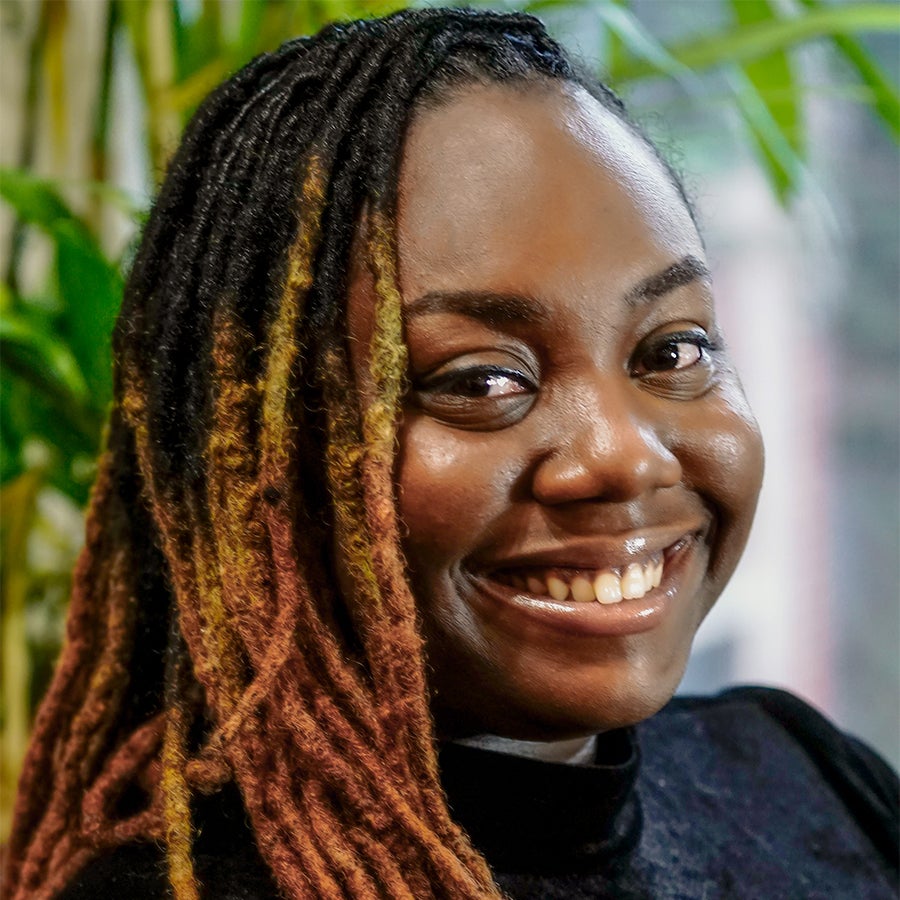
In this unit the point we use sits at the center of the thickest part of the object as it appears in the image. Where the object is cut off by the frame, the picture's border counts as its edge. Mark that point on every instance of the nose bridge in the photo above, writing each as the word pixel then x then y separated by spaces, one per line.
pixel 607 446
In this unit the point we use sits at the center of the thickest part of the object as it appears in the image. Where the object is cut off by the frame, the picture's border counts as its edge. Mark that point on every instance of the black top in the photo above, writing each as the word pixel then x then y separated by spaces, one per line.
pixel 751 794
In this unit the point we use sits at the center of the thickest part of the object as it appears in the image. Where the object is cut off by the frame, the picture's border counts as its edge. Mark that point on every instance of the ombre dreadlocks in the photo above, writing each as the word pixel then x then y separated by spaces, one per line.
pixel 206 641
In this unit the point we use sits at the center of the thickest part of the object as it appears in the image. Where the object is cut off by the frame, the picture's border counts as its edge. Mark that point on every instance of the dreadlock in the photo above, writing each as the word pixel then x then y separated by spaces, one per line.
pixel 207 642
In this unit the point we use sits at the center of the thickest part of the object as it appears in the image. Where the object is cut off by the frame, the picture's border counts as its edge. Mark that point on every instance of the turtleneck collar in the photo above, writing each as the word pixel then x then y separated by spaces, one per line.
pixel 578 751
pixel 526 814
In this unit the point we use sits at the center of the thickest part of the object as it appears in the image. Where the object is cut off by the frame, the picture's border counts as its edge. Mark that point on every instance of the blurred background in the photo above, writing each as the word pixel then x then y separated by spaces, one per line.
pixel 782 116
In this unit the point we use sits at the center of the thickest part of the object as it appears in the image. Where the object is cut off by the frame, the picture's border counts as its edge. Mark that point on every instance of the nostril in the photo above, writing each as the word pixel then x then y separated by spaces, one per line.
pixel 636 462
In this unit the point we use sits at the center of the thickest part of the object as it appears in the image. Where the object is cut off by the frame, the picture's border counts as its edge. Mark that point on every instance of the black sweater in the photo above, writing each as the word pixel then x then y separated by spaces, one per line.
pixel 751 794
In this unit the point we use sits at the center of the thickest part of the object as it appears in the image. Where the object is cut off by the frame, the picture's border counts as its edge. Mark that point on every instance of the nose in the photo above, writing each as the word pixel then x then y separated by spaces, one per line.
pixel 607 446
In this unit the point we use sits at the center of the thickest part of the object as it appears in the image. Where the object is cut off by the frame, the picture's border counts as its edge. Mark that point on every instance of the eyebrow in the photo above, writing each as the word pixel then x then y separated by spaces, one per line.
pixel 492 307
pixel 677 275
pixel 498 308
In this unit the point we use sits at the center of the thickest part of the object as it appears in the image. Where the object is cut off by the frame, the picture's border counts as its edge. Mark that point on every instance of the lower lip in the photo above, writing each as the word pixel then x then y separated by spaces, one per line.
pixel 518 610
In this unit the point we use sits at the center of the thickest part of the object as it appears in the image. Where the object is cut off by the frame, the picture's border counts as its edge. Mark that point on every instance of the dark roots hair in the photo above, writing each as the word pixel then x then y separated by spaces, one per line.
pixel 207 642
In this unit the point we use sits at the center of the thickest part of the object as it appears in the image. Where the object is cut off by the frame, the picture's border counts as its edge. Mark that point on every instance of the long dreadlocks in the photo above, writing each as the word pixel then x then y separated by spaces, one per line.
pixel 206 639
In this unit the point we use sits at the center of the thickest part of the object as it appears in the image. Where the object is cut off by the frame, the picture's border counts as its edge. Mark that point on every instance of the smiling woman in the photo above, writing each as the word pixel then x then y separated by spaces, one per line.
pixel 546 442
pixel 427 461
pixel 557 452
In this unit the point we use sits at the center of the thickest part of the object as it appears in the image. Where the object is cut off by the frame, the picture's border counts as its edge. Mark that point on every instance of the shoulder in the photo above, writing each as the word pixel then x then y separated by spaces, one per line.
pixel 748 724
pixel 138 872
pixel 842 757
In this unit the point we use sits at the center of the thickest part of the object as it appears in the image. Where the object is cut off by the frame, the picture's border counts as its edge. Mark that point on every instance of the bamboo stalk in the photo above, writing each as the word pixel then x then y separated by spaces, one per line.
pixel 34 80
pixel 19 499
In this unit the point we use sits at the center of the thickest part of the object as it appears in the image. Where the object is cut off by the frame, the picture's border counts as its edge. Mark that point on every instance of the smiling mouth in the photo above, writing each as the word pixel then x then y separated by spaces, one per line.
pixel 607 586
pixel 586 586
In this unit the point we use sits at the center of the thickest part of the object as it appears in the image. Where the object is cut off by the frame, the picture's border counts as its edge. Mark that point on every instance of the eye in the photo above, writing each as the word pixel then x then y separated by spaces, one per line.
pixel 675 352
pixel 483 381
pixel 484 397
pixel 678 364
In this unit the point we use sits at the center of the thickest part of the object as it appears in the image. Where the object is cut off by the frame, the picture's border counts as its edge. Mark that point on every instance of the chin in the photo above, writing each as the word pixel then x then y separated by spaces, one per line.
pixel 615 706
pixel 613 695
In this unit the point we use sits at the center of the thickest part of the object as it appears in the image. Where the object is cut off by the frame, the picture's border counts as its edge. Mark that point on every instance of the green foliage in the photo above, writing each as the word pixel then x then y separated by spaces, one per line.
pixel 772 108
pixel 884 95
pixel 55 359
pixel 743 42
pixel 756 55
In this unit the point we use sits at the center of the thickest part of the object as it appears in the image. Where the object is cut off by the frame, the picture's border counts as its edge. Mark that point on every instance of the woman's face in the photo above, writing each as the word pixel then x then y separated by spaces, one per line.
pixel 573 430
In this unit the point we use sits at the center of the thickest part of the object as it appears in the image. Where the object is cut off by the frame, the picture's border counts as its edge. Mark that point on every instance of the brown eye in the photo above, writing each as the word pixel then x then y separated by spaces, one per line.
pixel 489 382
pixel 673 352
pixel 678 365
pixel 477 397
pixel 678 355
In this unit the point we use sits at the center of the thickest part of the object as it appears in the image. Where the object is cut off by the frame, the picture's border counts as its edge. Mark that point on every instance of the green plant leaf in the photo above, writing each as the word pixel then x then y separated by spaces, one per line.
pixel 30 414
pixel 42 359
pixel 743 43
pixel 773 81
pixel 89 285
pixel 781 162
pixel 615 49
pixel 91 288
pixel 39 399
pixel 197 41
pixel 885 97
pixel 35 200
pixel 643 45
pixel 250 24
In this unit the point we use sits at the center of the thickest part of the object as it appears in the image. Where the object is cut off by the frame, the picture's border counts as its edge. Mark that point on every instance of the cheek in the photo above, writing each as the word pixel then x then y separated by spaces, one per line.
pixel 450 487
pixel 721 452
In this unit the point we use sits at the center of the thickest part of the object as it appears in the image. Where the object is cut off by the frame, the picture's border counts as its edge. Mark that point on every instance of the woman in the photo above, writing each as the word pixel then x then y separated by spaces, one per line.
pixel 424 435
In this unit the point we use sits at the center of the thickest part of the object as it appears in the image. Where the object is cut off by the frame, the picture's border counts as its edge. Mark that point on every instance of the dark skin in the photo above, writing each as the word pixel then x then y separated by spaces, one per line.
pixel 572 413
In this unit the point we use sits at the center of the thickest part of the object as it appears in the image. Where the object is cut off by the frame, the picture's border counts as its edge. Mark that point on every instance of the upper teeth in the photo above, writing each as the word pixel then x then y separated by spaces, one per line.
pixel 603 585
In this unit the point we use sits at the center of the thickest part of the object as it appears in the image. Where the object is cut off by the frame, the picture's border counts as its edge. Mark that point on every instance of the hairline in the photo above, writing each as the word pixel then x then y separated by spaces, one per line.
pixel 448 85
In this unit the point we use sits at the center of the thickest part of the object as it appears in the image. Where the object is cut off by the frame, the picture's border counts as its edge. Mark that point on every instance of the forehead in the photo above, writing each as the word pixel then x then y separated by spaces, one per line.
pixel 531 188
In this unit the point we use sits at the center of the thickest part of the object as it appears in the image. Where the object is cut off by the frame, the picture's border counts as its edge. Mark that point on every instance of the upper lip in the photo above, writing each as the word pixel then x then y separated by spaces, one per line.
pixel 595 553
